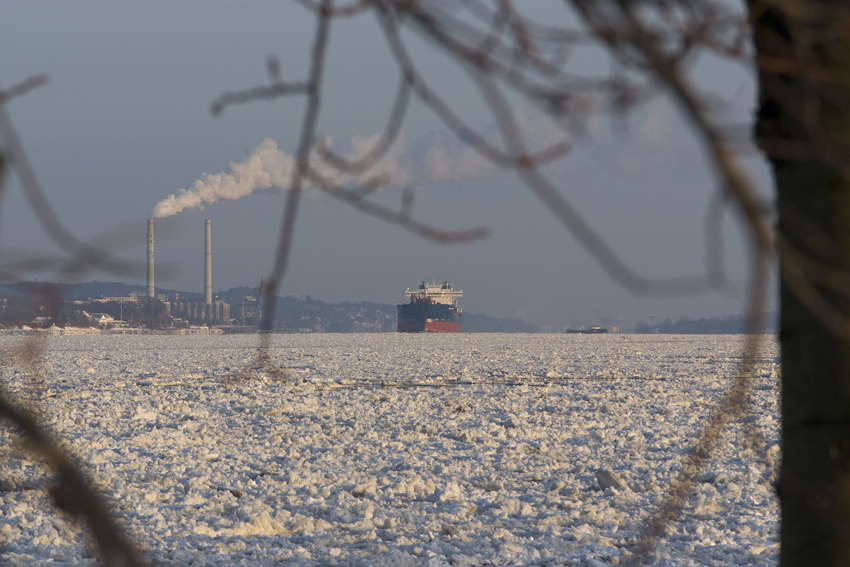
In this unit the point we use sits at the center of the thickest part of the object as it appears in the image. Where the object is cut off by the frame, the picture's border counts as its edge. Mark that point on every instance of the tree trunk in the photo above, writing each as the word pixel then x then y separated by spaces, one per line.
pixel 814 486
pixel 814 222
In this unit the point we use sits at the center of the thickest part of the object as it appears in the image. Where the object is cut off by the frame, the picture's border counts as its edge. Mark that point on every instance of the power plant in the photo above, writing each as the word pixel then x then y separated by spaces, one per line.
pixel 208 311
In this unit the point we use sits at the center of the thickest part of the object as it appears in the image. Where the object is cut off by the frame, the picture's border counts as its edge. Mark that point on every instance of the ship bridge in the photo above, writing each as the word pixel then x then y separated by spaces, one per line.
pixel 437 293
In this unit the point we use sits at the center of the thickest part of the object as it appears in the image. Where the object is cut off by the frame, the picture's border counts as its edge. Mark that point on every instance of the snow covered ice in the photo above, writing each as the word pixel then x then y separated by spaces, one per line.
pixel 394 449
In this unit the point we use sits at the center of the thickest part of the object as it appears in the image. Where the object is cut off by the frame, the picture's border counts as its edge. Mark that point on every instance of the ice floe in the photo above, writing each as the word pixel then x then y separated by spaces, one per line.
pixel 394 450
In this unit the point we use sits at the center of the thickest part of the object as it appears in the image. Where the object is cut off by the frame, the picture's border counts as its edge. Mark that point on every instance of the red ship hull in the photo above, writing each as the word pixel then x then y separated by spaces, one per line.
pixel 420 326
pixel 442 327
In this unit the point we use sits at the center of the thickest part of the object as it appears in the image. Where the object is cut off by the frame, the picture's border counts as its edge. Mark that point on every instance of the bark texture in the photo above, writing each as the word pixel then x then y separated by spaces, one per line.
pixel 803 118
pixel 814 486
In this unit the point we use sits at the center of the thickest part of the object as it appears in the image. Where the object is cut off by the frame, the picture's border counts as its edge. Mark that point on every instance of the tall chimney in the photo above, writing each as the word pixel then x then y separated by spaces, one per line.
pixel 208 264
pixel 151 289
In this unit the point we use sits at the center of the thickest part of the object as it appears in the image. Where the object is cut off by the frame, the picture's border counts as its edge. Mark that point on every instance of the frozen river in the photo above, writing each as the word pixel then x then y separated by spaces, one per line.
pixel 388 449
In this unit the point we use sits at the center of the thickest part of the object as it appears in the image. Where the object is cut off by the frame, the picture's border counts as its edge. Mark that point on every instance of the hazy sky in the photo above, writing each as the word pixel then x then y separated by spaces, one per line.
pixel 124 122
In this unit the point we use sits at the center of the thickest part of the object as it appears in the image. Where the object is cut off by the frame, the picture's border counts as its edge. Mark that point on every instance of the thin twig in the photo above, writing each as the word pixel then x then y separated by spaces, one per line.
pixel 401 218
pixel 40 205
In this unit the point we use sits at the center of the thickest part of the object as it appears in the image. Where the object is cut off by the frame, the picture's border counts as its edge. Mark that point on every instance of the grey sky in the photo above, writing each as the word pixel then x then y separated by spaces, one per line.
pixel 125 121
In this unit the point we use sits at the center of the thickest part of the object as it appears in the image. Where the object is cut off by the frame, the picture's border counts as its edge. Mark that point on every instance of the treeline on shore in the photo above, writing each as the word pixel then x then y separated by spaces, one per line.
pixel 730 325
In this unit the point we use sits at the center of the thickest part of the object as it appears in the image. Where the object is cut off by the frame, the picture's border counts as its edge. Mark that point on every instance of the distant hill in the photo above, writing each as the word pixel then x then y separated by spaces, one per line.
pixel 731 325
pixel 473 323
pixel 297 314
pixel 303 313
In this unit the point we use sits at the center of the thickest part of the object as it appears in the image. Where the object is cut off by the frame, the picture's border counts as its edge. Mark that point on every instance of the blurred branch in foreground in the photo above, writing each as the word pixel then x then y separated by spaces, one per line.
pixel 73 493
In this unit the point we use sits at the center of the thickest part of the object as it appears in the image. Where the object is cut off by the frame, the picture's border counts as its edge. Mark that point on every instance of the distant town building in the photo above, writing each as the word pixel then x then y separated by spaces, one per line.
pixel 100 319
pixel 41 322
pixel 132 298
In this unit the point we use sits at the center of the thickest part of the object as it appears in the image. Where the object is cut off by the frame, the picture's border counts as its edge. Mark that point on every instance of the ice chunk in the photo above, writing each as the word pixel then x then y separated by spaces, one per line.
pixel 366 489
pixel 261 524
pixel 204 529
pixel 451 493
pixel 607 479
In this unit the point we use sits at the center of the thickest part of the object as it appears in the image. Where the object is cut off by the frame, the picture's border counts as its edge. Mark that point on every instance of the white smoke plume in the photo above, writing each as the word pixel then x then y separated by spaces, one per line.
pixel 265 168
pixel 269 167
pixel 440 159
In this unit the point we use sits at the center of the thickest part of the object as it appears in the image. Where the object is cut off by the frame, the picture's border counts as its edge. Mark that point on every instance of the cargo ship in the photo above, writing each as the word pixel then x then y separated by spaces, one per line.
pixel 432 309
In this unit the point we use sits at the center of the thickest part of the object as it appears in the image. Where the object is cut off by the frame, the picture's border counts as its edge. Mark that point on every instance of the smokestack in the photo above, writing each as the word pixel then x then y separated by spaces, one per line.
pixel 208 264
pixel 151 289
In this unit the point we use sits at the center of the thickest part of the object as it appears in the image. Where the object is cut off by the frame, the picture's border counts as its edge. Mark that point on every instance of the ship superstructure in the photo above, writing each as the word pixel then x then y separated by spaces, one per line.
pixel 432 308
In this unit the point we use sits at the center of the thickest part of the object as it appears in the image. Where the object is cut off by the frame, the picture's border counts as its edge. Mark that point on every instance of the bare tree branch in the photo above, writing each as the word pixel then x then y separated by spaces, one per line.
pixel 381 146
pixel 572 220
pixel 49 221
pixel 23 88
pixel 346 11
pixel 265 92
pixel 308 135
pixel 73 493
pixel 450 119
pixel 401 218
pixel 734 404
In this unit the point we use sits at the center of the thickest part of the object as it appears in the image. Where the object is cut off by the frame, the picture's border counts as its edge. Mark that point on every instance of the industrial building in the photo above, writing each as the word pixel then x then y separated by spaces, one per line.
pixel 208 311
pixel 214 312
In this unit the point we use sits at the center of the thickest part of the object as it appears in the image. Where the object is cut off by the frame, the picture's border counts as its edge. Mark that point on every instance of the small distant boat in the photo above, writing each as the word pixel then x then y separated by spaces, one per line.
pixel 590 331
